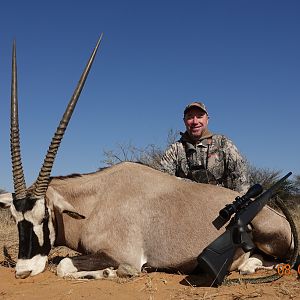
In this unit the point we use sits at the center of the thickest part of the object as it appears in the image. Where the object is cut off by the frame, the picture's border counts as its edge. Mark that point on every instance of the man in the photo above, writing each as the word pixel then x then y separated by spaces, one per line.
pixel 205 157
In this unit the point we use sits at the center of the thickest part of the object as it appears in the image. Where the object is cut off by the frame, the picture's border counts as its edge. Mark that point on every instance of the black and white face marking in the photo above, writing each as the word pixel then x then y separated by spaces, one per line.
pixel 36 235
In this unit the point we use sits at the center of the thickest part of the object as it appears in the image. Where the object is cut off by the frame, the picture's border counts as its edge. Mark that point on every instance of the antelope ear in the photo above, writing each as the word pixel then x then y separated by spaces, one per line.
pixel 74 214
pixel 6 200
pixel 61 204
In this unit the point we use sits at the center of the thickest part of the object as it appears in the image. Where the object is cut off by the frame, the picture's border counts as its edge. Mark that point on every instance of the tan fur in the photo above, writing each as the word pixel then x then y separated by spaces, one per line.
pixel 134 212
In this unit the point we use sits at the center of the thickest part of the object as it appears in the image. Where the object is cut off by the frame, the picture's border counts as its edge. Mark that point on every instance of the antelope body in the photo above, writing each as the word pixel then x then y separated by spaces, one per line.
pixel 138 216
pixel 126 215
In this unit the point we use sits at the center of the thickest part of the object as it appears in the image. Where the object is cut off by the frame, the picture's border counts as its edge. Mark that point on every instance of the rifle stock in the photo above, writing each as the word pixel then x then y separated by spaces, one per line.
pixel 216 259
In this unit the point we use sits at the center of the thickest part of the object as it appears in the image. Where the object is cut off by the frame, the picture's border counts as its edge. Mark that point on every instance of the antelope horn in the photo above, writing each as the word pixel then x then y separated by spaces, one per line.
pixel 42 181
pixel 18 175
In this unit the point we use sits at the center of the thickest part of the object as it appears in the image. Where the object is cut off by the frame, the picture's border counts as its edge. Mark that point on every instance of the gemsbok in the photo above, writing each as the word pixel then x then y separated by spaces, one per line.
pixel 122 218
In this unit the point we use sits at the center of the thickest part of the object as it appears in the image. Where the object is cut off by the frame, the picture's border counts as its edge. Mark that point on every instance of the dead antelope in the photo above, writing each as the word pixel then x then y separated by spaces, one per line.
pixel 127 215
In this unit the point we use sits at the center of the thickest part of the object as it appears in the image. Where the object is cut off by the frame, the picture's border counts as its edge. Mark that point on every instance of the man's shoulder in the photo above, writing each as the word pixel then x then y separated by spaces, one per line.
pixel 219 136
pixel 177 144
pixel 220 139
pixel 225 143
pixel 174 152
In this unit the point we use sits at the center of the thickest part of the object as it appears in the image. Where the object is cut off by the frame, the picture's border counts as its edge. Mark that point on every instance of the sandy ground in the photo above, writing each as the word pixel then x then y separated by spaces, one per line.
pixel 147 286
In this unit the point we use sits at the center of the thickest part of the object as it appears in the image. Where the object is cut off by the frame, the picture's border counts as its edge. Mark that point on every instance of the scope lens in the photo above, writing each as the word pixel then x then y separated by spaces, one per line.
pixel 226 212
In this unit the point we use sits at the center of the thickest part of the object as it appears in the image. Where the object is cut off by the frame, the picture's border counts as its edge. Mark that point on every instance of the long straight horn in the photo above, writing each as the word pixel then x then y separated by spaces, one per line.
pixel 18 175
pixel 42 181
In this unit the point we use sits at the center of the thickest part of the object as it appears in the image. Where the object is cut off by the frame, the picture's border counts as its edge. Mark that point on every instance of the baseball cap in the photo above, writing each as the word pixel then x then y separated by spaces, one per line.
pixel 195 104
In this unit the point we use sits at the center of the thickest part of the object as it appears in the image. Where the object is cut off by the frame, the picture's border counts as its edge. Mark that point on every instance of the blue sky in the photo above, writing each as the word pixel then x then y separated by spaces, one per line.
pixel 241 58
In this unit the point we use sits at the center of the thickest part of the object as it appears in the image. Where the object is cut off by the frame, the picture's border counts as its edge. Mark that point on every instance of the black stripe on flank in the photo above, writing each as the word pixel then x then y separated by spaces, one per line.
pixel 94 262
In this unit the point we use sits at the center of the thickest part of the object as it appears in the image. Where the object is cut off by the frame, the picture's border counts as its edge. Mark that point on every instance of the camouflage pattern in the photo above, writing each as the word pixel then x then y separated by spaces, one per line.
pixel 215 159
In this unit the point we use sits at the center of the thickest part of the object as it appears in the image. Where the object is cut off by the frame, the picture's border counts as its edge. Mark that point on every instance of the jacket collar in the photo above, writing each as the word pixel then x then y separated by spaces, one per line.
pixel 190 144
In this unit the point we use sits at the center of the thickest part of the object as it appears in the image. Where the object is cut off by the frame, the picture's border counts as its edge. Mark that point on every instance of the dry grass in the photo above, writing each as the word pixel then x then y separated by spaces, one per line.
pixel 8 235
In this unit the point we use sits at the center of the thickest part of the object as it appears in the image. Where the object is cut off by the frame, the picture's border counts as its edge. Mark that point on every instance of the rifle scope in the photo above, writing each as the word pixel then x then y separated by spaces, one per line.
pixel 240 202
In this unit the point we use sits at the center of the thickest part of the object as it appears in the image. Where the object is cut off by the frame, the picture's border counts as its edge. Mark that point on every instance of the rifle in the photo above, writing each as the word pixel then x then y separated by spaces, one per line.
pixel 217 257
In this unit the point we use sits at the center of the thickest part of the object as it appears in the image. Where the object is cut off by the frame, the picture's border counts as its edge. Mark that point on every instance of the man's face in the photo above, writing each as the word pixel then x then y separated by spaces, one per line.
pixel 196 121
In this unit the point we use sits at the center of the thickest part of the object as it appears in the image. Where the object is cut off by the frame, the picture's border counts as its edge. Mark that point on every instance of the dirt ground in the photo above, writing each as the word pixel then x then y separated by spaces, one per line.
pixel 147 286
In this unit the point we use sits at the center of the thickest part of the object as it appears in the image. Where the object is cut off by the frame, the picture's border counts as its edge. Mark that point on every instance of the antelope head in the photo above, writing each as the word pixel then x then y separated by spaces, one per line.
pixel 29 206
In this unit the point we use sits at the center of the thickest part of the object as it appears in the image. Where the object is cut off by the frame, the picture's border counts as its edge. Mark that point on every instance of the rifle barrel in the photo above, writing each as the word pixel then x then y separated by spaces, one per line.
pixel 253 209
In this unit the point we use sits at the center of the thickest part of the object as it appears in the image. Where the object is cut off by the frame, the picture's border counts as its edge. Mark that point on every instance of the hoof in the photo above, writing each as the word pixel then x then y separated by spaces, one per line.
pixel 125 270
pixel 109 273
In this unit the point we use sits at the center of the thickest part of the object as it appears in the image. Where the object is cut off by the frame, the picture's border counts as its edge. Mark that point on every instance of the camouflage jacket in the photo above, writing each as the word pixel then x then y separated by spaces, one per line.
pixel 214 159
